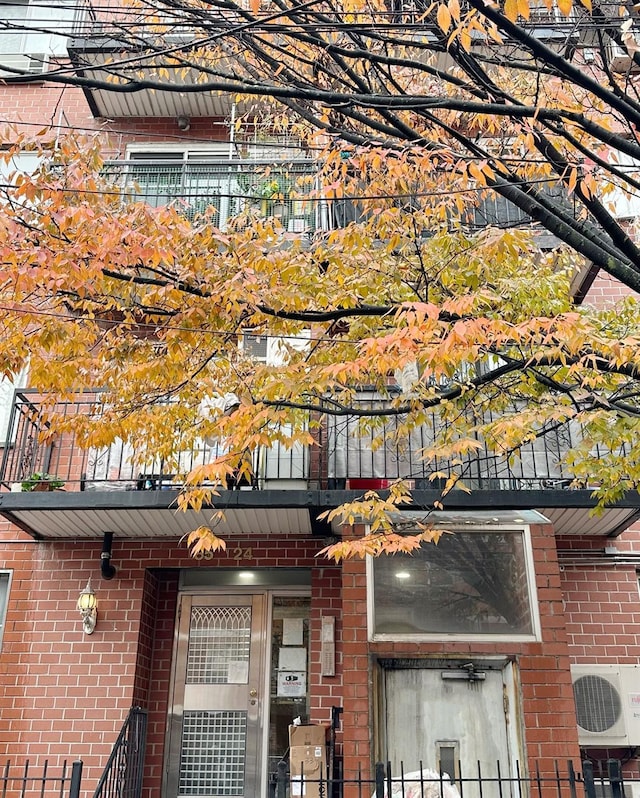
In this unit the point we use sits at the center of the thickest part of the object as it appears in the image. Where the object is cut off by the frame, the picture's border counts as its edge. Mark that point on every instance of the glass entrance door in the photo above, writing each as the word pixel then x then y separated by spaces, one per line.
pixel 240 678
pixel 216 725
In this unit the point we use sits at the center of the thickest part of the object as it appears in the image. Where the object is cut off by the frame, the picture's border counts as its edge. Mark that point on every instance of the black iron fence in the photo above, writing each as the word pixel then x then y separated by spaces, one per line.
pixel 346 454
pixel 312 780
pixel 40 781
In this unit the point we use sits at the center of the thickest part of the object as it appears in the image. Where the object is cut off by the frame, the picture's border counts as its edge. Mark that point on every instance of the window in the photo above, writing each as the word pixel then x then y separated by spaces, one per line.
pixel 476 583
pixel 26 42
pixel 7 391
pixel 5 583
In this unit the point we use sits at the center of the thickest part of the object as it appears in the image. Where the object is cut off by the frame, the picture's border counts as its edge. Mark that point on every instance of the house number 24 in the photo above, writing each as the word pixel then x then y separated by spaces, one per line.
pixel 241 554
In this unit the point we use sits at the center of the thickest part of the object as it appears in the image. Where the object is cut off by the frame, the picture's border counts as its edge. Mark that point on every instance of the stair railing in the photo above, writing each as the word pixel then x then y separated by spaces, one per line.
pixel 122 775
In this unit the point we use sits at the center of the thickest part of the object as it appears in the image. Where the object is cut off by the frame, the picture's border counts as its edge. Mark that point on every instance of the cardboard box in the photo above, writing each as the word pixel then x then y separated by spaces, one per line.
pixel 308 764
pixel 302 736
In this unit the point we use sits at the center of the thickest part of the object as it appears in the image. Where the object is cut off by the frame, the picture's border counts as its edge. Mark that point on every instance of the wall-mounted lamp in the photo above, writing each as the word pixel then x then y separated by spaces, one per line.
pixel 88 608
pixel 183 122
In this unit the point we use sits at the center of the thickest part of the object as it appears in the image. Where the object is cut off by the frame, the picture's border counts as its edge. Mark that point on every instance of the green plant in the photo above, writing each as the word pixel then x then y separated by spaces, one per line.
pixel 40 480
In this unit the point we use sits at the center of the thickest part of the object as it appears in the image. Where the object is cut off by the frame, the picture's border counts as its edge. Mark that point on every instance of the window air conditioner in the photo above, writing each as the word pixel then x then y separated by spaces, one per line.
pixel 620 60
pixel 271 349
pixel 183 37
pixel 256 346
pixel 34 64
pixel 607 701
pixel 37 63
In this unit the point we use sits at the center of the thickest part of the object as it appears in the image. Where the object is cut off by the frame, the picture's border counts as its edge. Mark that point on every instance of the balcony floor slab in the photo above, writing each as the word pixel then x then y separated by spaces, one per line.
pixel 153 514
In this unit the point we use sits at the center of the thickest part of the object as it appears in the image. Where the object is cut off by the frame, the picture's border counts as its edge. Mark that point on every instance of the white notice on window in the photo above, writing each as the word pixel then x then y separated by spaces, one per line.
pixel 292 630
pixel 292 684
pixel 238 672
pixel 292 659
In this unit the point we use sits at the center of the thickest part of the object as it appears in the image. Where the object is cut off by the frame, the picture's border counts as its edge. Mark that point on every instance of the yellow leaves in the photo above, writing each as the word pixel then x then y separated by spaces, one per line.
pixel 203 541
pixel 448 308
pixel 372 508
pixel 565 6
pixel 511 10
pixel 573 180
pixel 444 17
pixel 377 544
pixel 195 498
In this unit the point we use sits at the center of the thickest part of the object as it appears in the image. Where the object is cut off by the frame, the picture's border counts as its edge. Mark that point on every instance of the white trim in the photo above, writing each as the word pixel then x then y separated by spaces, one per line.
pixel 8 388
pixel 186 153
pixel 4 606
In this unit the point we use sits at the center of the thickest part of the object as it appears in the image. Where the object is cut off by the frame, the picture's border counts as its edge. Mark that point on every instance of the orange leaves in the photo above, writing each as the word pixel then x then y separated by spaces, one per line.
pixel 375 545
pixel 444 17
pixel 425 315
pixel 517 8
pixel 203 541
pixel 565 6
pixel 513 9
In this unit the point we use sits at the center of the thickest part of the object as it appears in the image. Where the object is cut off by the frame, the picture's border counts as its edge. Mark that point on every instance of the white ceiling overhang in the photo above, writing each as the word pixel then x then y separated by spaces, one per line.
pixel 153 514
pixel 98 63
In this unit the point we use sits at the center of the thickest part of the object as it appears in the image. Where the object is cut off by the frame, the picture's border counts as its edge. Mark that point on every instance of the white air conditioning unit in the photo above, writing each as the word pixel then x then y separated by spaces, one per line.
pixel 184 37
pixel 33 64
pixel 256 345
pixel 271 349
pixel 619 59
pixel 607 701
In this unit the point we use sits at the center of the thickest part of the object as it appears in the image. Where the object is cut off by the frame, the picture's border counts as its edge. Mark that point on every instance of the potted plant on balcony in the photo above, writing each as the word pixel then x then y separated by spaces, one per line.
pixel 273 199
pixel 41 481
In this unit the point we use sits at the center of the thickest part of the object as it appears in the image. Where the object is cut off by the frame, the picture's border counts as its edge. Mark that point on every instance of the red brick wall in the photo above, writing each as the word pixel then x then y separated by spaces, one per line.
pixel 602 610
pixel 547 695
pixel 65 695
pixel 606 291
pixel 29 109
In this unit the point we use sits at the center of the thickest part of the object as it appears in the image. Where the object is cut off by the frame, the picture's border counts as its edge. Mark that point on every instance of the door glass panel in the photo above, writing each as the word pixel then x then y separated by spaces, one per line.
pixel 213 753
pixel 219 643
pixel 289 686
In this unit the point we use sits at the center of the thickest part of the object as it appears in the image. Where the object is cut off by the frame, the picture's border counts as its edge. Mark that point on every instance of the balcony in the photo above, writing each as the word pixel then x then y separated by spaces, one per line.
pixel 225 189
pixel 118 488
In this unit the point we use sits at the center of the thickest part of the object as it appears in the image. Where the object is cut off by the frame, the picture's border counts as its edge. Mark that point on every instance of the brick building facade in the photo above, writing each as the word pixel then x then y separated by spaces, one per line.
pixel 65 695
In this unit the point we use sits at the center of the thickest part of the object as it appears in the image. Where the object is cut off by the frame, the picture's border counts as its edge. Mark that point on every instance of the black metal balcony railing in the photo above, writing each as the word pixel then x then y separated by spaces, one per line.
pixel 290 192
pixel 225 189
pixel 344 456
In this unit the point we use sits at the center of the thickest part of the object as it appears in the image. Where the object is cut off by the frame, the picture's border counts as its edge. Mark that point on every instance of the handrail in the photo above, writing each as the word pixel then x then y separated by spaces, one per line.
pixel 348 455
pixel 122 775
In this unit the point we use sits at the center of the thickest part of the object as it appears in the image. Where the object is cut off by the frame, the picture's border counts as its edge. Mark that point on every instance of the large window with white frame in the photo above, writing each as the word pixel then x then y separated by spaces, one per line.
pixel 477 582
pixel 223 181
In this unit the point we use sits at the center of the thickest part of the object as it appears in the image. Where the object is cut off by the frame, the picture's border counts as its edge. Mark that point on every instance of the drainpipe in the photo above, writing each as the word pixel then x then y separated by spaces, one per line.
pixel 107 570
